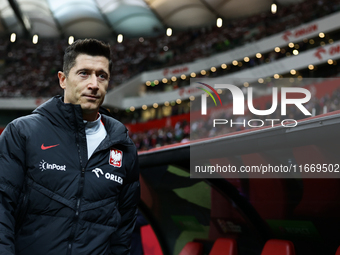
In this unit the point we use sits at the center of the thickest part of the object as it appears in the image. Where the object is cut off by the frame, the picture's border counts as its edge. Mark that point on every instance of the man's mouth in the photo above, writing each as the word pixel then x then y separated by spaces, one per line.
pixel 93 97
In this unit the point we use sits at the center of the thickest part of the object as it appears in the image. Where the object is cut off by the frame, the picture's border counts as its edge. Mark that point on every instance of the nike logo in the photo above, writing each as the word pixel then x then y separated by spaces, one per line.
pixel 48 147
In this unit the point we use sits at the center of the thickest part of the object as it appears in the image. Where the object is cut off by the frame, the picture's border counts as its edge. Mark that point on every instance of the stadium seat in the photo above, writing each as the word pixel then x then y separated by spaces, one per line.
pixel 149 241
pixel 192 248
pixel 269 204
pixel 320 195
pixel 337 251
pixel 225 246
pixel 278 247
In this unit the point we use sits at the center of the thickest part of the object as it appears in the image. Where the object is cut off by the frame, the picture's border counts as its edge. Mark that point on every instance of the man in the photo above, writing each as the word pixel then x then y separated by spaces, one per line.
pixel 69 172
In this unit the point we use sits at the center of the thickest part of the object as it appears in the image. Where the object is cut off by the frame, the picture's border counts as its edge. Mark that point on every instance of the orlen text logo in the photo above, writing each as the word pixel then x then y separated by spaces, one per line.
pixel 175 71
pixel 300 32
pixel 331 51
pixel 239 102
pixel 47 166
pixel 108 176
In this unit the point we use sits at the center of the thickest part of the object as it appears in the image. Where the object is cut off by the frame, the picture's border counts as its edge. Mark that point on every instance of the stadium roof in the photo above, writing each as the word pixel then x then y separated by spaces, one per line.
pixel 106 18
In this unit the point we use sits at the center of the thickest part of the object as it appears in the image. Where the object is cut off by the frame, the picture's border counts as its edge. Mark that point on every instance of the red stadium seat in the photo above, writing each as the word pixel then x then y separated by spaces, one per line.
pixel 192 248
pixel 270 197
pixel 337 251
pixel 225 246
pixel 278 247
pixel 150 241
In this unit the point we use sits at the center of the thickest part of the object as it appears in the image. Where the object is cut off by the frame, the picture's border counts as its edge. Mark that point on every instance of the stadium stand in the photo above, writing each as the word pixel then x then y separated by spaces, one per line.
pixel 40 63
pixel 194 216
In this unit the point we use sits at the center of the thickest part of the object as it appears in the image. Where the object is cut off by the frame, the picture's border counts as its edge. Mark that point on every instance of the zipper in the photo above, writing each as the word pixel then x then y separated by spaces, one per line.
pixel 79 196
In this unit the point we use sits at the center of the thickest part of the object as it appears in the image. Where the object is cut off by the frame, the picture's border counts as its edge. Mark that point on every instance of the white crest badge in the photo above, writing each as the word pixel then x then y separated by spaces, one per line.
pixel 116 157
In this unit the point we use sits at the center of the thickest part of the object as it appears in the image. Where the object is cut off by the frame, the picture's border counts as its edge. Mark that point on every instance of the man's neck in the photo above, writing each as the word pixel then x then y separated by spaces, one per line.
pixel 90 117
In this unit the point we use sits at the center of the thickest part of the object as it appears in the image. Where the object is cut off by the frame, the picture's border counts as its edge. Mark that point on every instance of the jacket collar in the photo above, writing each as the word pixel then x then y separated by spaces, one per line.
pixel 69 116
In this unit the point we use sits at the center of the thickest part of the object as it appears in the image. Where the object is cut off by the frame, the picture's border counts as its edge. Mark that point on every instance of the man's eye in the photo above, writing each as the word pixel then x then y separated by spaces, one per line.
pixel 83 73
pixel 102 76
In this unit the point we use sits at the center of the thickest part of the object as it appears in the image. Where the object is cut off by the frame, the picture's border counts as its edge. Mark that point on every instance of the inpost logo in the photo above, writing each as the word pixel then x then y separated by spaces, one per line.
pixel 47 166
pixel 239 102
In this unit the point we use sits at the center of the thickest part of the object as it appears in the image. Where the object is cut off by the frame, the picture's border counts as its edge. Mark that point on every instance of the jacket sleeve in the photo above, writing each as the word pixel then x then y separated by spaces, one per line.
pixel 128 200
pixel 12 169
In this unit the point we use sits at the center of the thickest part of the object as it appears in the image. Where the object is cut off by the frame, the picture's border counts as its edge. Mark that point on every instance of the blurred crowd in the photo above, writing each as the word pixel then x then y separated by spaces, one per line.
pixel 153 138
pixel 30 70
pixel 37 65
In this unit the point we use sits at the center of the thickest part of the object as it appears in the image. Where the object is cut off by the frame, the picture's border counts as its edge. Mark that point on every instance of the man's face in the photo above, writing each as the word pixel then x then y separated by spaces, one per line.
pixel 86 84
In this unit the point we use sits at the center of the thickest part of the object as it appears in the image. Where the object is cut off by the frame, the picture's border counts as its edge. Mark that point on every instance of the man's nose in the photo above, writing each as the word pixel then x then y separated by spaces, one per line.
pixel 93 83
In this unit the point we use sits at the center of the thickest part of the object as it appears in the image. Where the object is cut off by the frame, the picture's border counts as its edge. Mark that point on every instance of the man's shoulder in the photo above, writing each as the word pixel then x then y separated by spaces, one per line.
pixel 119 131
pixel 115 125
pixel 27 119
pixel 22 126
pixel 26 123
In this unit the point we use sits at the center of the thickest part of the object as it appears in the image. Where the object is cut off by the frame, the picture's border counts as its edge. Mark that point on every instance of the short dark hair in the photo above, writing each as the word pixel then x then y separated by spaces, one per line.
pixel 92 47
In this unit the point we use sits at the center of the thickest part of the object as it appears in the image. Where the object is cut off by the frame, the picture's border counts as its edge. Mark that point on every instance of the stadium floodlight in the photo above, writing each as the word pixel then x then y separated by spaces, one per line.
pixel 70 40
pixel 13 37
pixel 219 22
pixel 274 8
pixel 120 38
pixel 169 32
pixel 35 39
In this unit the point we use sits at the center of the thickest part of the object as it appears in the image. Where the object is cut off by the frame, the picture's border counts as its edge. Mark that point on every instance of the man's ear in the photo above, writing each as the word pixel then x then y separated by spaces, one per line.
pixel 62 78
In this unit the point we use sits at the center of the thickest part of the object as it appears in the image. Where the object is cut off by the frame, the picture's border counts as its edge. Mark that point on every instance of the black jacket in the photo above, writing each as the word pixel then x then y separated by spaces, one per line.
pixel 53 200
